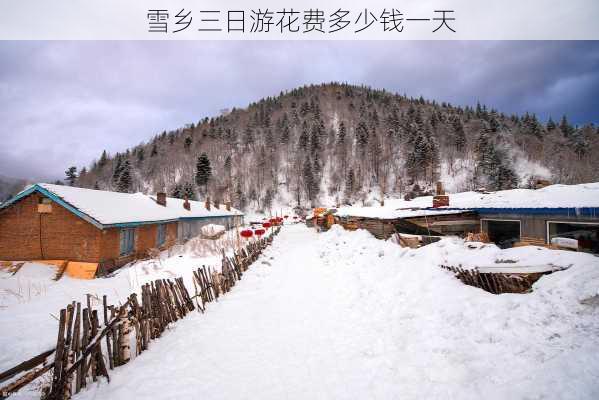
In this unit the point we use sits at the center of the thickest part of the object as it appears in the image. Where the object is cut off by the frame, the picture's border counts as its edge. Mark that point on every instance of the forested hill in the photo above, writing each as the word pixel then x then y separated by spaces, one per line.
pixel 337 143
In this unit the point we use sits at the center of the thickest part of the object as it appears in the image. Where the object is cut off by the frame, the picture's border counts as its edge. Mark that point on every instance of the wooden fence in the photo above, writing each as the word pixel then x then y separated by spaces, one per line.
pixel 495 283
pixel 87 348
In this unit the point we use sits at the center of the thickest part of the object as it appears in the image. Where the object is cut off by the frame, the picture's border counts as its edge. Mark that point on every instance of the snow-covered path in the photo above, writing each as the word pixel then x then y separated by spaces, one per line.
pixel 325 317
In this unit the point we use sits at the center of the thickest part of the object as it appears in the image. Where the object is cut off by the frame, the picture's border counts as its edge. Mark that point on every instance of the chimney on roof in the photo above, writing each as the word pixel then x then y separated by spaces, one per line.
pixel 208 203
pixel 228 205
pixel 440 201
pixel 186 204
pixel 161 198
pixel 440 190
pixel 216 203
pixel 541 183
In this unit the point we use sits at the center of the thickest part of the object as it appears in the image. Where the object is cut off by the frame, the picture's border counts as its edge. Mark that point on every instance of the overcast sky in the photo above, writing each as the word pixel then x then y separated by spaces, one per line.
pixel 62 103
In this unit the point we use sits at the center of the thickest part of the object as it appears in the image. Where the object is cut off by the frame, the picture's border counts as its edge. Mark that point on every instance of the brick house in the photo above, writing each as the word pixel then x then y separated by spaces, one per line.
pixel 54 222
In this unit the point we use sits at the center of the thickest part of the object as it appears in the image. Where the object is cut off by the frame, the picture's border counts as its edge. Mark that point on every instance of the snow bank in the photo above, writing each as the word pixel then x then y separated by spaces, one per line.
pixel 487 257
pixel 30 302
pixel 212 230
pixel 31 299
pixel 341 315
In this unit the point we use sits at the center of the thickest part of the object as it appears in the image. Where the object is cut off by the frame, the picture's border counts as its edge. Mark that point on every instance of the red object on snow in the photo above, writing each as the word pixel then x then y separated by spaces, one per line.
pixel 273 221
pixel 266 225
pixel 259 232
pixel 246 233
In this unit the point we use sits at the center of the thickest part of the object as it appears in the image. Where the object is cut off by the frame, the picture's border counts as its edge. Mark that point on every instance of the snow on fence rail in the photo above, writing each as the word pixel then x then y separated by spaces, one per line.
pixel 496 283
pixel 79 354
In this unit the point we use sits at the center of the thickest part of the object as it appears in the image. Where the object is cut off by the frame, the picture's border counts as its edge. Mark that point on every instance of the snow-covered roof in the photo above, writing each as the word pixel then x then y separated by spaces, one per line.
pixel 585 195
pixel 198 209
pixel 554 196
pixel 104 208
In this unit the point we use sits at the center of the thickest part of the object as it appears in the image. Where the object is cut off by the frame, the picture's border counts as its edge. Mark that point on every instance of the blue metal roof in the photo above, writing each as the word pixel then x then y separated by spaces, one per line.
pixel 569 212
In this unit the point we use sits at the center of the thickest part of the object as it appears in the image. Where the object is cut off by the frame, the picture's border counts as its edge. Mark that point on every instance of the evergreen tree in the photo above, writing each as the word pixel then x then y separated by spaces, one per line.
pixel 350 184
pixel 71 175
pixel 534 127
pixel 189 191
pixel 315 139
pixel 103 159
pixel 493 124
pixel 241 200
pixel 341 134
pixel 551 125
pixel 495 165
pixel 253 195
pixel 177 191
pixel 269 140
pixel 304 138
pixel 118 168
pixel 231 137
pixel 309 181
pixel 140 155
pixel 203 171
pixel 154 152
pixel 565 127
pixel 317 166
pixel 579 142
pixel 182 190
pixel 124 181
pixel 285 131
pixel 187 143
pixel 362 135
pixel 505 177
pixel 248 137
pixel 485 154
pixel 268 198
pixel 459 137
pixel 228 166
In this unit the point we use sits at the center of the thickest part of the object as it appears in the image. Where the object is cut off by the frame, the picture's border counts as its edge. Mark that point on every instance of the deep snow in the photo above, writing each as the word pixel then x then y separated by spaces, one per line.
pixel 341 315
pixel 30 301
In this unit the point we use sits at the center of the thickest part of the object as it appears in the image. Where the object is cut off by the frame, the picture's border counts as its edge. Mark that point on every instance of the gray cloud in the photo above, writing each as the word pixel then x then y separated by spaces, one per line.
pixel 62 103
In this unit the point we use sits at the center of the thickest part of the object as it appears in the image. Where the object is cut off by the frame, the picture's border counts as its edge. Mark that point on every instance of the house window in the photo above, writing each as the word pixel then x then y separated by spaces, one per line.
pixel 161 237
pixel 127 241
pixel 583 236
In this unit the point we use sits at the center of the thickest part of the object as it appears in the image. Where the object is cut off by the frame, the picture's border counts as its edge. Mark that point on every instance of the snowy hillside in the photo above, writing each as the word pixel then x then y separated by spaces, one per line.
pixel 338 143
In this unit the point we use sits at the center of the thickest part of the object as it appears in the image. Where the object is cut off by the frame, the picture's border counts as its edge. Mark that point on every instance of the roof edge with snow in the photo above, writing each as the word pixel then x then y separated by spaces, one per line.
pixel 170 215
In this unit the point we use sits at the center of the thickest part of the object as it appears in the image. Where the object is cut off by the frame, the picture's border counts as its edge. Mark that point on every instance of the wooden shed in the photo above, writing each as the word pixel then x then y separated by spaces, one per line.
pixel 413 221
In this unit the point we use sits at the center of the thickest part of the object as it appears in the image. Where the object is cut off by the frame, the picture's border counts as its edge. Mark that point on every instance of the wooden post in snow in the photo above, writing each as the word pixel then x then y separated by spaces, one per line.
pixel 124 345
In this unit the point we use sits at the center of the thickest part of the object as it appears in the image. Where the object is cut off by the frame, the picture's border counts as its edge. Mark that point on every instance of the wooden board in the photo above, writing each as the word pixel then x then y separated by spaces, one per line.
pixel 61 270
pixel 82 270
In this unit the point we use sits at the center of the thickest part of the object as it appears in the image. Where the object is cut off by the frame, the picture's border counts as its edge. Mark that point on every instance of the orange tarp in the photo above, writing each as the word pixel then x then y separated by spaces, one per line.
pixel 78 270
pixel 82 270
